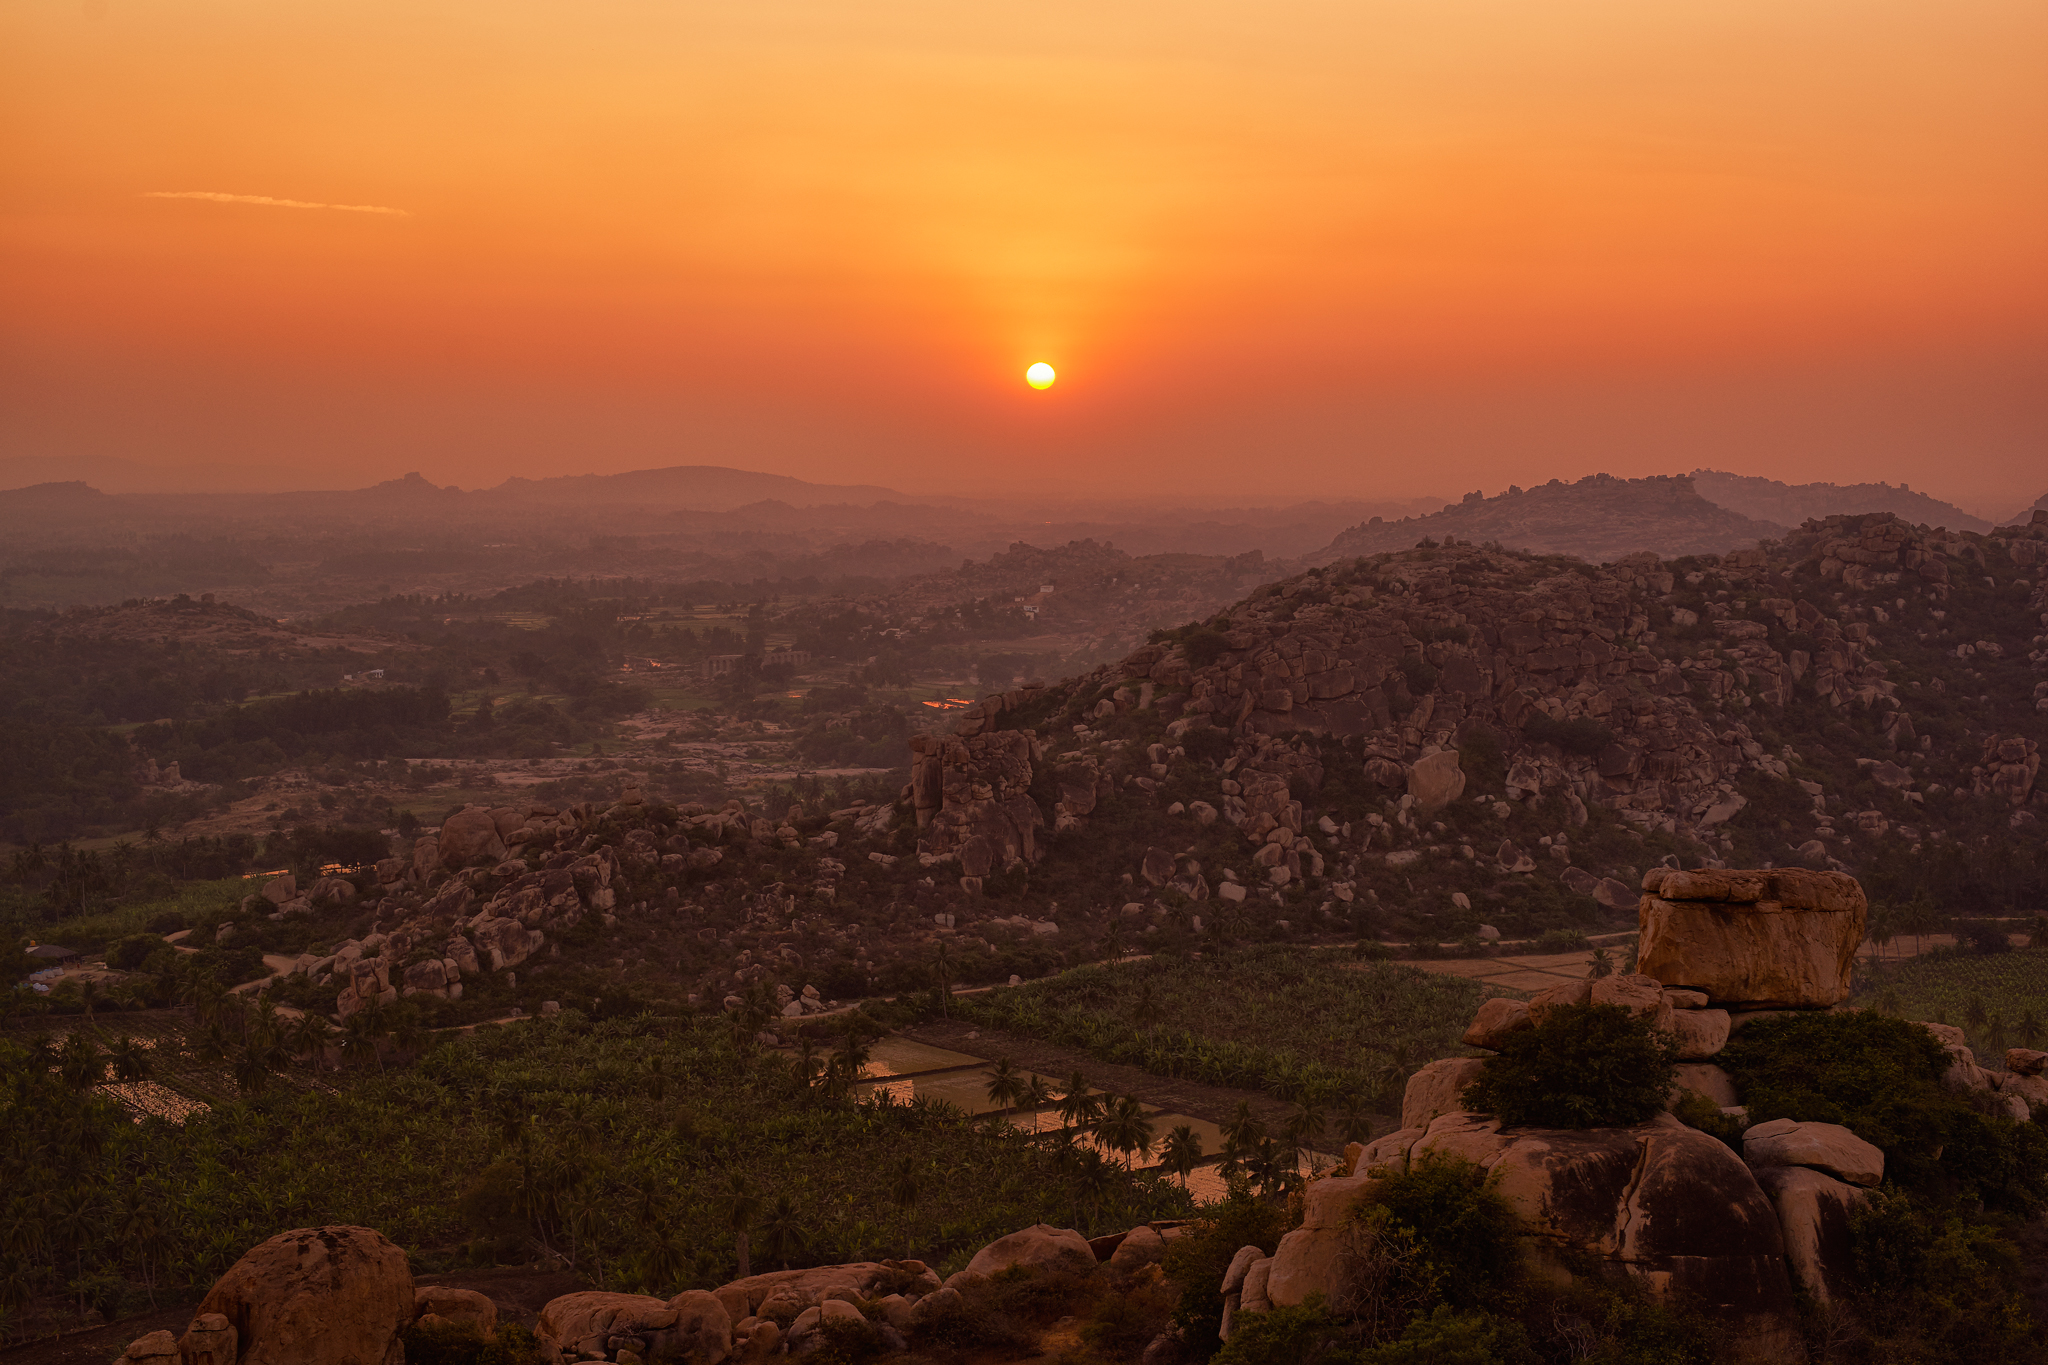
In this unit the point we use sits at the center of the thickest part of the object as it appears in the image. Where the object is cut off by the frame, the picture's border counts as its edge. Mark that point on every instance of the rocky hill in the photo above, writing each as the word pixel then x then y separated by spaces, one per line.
pixel 1789 504
pixel 1599 518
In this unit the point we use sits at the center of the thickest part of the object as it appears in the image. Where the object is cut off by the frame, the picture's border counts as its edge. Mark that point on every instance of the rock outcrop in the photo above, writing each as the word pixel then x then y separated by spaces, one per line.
pixel 1755 939
pixel 315 1296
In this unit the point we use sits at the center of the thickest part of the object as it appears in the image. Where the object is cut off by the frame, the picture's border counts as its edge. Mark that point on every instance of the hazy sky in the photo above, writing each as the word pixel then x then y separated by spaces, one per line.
pixel 1276 250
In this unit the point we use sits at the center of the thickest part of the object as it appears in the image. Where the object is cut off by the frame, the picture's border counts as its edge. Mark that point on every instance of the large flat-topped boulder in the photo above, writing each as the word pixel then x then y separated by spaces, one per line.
pixel 1772 936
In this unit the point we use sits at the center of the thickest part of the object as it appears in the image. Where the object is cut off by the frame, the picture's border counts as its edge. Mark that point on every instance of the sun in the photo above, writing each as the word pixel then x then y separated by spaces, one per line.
pixel 1040 376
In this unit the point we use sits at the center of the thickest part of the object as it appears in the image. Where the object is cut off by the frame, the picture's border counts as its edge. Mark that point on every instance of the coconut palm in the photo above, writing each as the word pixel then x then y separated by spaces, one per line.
pixel 782 1235
pixel 1181 1152
pixel 132 1061
pixel 80 1062
pixel 1005 1085
pixel 310 1035
pixel 1305 1125
pixel 1354 1120
pixel 1125 1129
pixel 1036 1096
pixel 1077 1106
pixel 2030 1029
pixel 740 1206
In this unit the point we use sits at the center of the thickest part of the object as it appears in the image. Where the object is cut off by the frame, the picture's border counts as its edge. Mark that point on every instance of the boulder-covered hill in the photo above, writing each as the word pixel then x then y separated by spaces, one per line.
pixel 1599 518
pixel 1466 733
pixel 1414 746
pixel 1788 504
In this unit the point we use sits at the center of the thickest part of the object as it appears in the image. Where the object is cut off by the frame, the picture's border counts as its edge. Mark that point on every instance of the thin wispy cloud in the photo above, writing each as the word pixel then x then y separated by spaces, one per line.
pixel 219 198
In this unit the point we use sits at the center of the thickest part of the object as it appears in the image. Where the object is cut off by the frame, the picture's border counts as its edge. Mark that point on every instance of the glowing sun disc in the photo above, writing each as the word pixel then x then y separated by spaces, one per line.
pixel 1039 376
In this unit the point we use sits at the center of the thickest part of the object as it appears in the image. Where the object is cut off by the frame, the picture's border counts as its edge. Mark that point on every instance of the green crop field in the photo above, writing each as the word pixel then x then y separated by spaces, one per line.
pixel 1992 996
pixel 1303 1023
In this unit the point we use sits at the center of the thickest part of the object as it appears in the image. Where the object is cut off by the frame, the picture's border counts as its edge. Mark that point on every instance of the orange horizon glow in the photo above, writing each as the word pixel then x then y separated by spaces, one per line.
pixel 1367 249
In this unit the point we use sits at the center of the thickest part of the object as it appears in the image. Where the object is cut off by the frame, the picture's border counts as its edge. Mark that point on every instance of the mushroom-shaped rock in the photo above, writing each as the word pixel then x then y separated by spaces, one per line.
pixel 1780 936
pixel 315 1296
pixel 1039 1247
pixel 1825 1147
pixel 456 1305
pixel 1438 1088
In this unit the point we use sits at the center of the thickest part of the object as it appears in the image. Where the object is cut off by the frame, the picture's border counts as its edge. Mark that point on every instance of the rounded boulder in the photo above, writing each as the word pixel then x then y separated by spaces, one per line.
pixel 316 1296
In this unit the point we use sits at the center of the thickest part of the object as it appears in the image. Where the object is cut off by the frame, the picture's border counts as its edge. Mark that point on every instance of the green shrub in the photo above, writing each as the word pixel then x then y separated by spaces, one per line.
pixel 1466 1230
pixel 1445 1337
pixel 1196 1260
pixel 1929 1289
pixel 1880 1078
pixel 1584 1066
pixel 127 954
pixel 1695 1110
pixel 1304 1335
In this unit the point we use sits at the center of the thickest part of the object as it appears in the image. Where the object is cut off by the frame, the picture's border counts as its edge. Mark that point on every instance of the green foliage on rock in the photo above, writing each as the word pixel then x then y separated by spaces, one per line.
pixel 1465 1229
pixel 1584 1066
pixel 1880 1078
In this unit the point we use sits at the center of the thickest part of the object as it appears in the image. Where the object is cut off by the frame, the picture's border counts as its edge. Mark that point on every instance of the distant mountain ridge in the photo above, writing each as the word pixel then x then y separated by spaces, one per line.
pixel 1600 519
pixel 1789 504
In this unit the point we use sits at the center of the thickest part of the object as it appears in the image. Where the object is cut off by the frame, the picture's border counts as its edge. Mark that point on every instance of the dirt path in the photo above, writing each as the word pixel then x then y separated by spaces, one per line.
pixel 1218 1104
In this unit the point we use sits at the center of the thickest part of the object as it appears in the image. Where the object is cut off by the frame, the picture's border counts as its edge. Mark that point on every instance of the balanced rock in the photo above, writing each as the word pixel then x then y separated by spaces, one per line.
pixel 1825 1147
pixel 1700 1033
pixel 1780 936
pixel 315 1296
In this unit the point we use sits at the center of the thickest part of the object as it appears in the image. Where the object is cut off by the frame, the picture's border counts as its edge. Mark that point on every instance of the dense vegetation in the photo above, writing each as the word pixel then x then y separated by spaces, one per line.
pixel 1880 1077
pixel 1307 1025
pixel 638 1150
pixel 1583 1066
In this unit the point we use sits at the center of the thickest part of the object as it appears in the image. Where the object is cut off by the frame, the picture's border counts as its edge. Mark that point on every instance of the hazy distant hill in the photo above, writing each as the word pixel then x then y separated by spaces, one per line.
pixel 2026 514
pixel 1600 518
pixel 698 487
pixel 1788 504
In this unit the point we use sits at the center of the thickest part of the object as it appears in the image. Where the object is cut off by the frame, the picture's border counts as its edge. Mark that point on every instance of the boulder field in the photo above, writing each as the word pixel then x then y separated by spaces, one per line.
pixel 344 1296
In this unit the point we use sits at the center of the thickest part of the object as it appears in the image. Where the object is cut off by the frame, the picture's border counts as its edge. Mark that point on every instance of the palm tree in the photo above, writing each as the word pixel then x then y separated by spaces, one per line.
pixel 1181 1152
pixel 1973 1014
pixel 782 1236
pixel 1125 1129
pixel 903 1192
pixel 1036 1095
pixel 1244 1130
pixel 1600 964
pixel 359 1038
pixel 1354 1122
pixel 1005 1085
pixel 1094 1181
pixel 942 977
pixel 1305 1125
pixel 740 1207
pixel 132 1061
pixel 1077 1106
pixel 80 1063
pixel 310 1035
pixel 2030 1029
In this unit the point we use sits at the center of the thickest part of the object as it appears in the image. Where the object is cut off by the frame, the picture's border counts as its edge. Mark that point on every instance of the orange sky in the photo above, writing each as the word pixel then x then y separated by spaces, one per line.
pixel 1276 250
